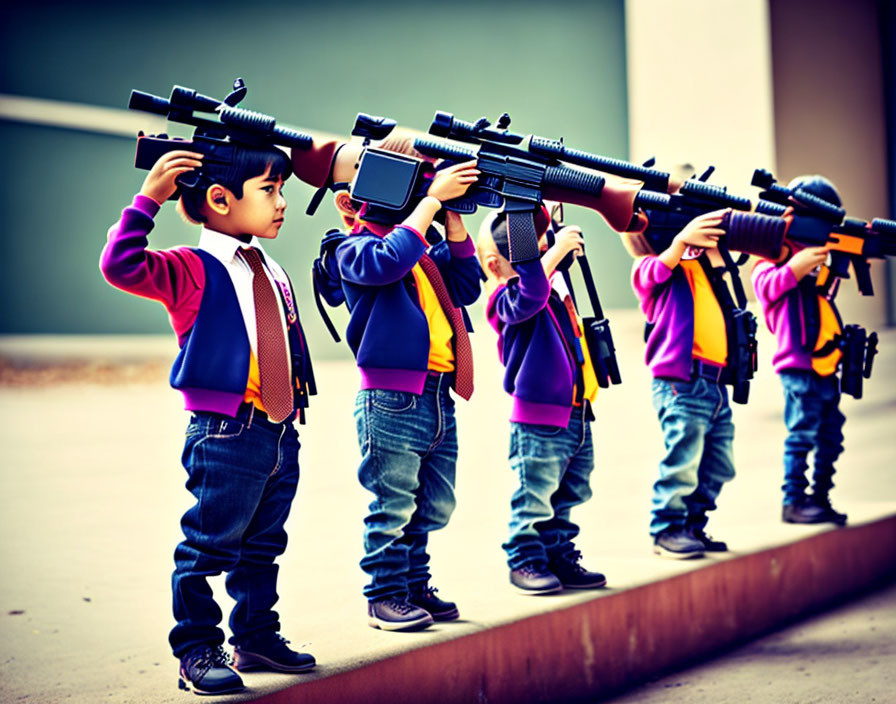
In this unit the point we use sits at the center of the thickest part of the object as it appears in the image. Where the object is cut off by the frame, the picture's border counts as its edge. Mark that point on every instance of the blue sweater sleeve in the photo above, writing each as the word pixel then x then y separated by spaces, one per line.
pixel 522 298
pixel 368 260
pixel 461 271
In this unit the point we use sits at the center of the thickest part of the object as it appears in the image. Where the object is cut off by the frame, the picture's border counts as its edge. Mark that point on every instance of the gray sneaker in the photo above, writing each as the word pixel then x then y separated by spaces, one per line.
pixel 535 579
pixel 397 615
pixel 678 544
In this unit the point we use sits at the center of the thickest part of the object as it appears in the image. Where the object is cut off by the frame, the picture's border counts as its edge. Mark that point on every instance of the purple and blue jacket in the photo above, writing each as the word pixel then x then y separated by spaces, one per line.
pixel 666 299
pixel 387 330
pixel 778 292
pixel 536 344
pixel 212 368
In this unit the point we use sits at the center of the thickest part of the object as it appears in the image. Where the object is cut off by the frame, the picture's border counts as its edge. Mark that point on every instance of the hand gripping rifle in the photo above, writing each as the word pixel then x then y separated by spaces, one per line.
pixel 220 127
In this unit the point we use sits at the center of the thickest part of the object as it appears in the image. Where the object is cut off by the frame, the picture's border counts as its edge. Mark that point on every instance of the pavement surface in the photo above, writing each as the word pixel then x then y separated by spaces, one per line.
pixel 845 655
pixel 91 494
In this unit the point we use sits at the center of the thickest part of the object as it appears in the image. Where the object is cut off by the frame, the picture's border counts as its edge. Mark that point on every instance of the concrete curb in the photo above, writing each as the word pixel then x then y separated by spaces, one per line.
pixel 597 647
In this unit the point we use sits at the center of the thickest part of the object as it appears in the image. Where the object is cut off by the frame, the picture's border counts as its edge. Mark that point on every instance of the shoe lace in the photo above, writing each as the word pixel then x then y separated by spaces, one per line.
pixel 532 569
pixel 279 641
pixel 402 607
pixel 572 559
pixel 207 658
pixel 701 535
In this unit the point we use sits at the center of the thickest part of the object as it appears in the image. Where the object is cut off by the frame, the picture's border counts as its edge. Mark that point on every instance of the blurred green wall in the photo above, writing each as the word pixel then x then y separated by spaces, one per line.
pixel 558 68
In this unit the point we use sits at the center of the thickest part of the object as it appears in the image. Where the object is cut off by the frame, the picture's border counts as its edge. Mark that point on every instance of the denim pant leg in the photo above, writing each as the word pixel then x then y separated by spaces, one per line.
pixel 558 533
pixel 802 416
pixel 395 432
pixel 539 454
pixel 685 411
pixel 435 494
pixel 829 443
pixel 253 582
pixel 716 465
pixel 228 466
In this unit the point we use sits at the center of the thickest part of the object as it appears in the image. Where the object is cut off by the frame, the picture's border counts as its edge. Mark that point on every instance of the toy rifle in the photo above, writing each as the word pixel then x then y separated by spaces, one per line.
pixel 513 174
pixel 817 223
pixel 220 127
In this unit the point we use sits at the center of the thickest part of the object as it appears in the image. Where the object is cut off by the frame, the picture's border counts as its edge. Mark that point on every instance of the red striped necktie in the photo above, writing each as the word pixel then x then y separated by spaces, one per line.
pixel 463 352
pixel 273 360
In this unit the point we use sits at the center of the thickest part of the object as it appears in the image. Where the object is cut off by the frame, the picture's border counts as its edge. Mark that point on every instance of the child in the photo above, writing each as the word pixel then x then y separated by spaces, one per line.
pixel 797 295
pixel 244 372
pixel 687 354
pixel 552 385
pixel 411 345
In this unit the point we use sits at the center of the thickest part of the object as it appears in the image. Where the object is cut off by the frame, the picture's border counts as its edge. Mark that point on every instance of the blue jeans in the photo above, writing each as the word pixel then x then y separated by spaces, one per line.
pixel 408 459
pixel 814 422
pixel 554 467
pixel 698 433
pixel 244 475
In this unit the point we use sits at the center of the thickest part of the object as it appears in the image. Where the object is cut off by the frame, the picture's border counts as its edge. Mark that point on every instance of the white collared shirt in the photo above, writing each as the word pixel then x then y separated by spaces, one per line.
pixel 224 248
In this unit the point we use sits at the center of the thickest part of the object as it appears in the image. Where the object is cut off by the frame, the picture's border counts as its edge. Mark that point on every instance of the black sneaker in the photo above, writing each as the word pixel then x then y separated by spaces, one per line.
pixel 830 515
pixel 709 544
pixel 268 651
pixel 535 579
pixel 439 609
pixel 573 576
pixel 397 615
pixel 804 510
pixel 677 543
pixel 206 669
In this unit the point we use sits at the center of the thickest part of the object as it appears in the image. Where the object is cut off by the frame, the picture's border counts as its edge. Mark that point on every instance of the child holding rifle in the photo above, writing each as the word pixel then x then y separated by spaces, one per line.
pixel 245 374
pixel 550 377
pixel 687 354
pixel 408 333
pixel 797 297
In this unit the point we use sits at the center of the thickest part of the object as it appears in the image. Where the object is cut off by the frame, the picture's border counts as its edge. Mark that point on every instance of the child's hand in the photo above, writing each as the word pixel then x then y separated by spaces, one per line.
pixel 159 182
pixel 703 231
pixel 806 260
pixel 567 240
pixel 454 181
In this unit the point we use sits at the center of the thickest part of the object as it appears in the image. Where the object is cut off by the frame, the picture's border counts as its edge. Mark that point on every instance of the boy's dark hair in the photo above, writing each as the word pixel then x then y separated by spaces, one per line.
pixel 499 233
pixel 248 162
pixel 817 186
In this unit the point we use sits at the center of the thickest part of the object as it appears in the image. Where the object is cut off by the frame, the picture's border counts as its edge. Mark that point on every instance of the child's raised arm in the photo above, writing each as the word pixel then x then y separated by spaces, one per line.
pixel 806 260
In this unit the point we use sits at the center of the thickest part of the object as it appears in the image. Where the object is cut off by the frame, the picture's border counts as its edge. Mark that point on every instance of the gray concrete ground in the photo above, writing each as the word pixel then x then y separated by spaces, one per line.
pixel 91 493
pixel 844 656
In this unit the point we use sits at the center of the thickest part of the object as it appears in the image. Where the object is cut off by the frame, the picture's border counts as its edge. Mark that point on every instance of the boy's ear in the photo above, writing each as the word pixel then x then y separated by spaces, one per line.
pixel 217 199
pixel 343 202
pixel 492 264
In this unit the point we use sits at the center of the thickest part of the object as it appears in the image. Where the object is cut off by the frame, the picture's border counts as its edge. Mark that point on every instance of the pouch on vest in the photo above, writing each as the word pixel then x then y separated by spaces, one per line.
pixel 859 349
pixel 596 329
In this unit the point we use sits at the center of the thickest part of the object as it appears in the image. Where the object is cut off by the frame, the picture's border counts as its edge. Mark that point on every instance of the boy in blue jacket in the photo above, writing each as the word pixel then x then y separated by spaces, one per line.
pixel 245 374
pixel 409 338
pixel 550 377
